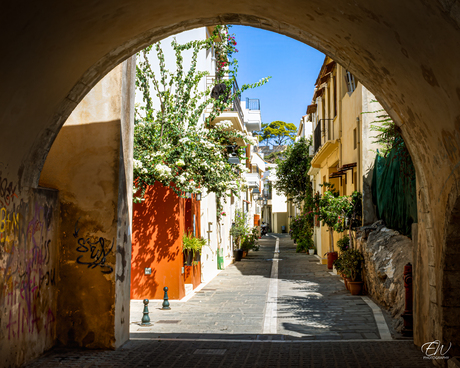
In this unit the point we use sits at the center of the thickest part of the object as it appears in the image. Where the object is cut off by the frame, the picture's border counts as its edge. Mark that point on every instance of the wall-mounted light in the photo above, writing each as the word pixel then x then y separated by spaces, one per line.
pixel 233 160
pixel 265 202
pixel 232 154
pixel 198 196
pixel 255 191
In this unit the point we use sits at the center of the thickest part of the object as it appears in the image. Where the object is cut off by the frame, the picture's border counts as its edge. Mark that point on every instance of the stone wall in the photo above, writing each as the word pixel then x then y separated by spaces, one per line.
pixel 386 252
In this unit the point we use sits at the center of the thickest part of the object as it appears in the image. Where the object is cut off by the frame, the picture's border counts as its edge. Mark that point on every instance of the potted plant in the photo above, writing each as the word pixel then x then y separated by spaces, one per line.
pixel 340 267
pixel 238 230
pixel 331 209
pixel 353 262
pixel 311 249
pixel 343 243
pixel 191 247
pixel 249 241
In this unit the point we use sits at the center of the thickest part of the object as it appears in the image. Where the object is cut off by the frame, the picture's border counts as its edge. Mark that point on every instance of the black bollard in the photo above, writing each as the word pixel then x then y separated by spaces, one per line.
pixel 165 299
pixel 145 317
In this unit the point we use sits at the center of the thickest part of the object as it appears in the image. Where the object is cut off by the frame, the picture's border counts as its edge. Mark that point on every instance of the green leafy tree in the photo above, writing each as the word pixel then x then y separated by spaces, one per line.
pixel 171 143
pixel 262 135
pixel 332 210
pixel 293 180
pixel 279 132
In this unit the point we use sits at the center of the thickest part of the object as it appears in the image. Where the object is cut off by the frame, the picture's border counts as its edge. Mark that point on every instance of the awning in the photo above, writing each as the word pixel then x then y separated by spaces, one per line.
pixel 337 174
pixel 325 69
pixel 311 109
pixel 318 93
pixel 347 167
pixel 325 78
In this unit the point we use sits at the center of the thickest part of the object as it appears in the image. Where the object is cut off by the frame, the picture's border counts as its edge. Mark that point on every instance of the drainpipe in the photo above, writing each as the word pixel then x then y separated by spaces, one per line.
pixel 339 113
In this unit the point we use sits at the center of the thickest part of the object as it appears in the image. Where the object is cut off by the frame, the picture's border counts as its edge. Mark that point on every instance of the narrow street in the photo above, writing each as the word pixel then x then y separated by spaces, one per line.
pixel 275 308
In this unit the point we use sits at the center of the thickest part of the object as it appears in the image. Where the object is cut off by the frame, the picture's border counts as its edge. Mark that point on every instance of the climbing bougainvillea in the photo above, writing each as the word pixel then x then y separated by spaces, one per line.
pixel 172 143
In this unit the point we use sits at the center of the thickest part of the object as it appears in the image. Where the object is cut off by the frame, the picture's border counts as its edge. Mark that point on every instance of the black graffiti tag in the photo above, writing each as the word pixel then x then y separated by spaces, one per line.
pixel 96 249
pixel 7 191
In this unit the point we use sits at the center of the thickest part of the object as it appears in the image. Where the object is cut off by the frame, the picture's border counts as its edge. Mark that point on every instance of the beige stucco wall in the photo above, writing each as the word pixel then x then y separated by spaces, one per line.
pixel 89 164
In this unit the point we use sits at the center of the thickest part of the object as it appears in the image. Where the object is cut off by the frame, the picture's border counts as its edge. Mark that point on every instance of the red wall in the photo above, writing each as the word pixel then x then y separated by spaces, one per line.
pixel 158 225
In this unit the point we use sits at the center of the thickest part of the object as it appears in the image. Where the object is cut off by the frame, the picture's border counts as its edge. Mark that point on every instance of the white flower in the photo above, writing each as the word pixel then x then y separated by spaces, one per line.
pixel 184 140
pixel 137 164
pixel 180 162
pixel 163 170
pixel 181 178
pixel 144 170
pixel 224 124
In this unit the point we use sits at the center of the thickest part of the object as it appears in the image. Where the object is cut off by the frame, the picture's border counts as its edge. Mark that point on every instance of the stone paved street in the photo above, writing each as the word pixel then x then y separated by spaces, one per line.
pixel 311 303
pixel 312 321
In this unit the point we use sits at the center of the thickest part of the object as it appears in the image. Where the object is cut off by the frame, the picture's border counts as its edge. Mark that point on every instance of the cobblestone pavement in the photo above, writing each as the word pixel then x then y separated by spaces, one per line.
pixel 224 354
pixel 317 323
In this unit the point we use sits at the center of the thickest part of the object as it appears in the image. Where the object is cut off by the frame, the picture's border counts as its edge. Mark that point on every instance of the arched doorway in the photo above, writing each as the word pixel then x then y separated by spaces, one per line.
pixel 399 51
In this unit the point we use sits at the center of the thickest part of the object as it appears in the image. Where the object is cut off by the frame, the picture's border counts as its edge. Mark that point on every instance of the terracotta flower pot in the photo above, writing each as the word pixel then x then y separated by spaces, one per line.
pixel 331 257
pixel 347 281
pixel 355 287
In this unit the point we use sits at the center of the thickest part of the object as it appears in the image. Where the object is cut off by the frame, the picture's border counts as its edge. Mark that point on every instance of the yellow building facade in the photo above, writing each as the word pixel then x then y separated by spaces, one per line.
pixel 343 152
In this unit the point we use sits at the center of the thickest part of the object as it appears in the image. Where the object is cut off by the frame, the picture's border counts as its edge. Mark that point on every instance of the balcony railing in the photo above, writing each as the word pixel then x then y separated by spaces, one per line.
pixel 237 101
pixel 252 103
pixel 236 105
pixel 323 129
pixel 317 137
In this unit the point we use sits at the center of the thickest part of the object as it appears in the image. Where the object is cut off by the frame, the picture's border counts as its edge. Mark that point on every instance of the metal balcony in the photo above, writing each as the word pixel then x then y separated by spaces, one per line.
pixel 323 129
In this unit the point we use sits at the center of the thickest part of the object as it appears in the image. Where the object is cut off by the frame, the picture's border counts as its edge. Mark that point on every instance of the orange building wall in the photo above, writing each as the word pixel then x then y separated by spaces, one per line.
pixel 158 225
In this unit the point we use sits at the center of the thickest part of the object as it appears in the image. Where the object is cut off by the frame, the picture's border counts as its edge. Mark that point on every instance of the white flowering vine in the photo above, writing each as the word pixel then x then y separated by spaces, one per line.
pixel 172 145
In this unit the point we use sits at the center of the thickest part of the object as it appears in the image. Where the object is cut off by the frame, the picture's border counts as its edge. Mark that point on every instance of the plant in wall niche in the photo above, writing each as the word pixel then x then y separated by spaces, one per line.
pixel 172 144
pixel 192 247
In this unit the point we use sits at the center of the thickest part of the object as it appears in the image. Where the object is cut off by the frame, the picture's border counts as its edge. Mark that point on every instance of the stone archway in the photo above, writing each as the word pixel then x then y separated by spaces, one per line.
pixel 56 52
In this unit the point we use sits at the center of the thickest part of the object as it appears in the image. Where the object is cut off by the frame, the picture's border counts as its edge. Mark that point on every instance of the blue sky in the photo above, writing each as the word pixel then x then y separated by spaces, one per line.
pixel 293 65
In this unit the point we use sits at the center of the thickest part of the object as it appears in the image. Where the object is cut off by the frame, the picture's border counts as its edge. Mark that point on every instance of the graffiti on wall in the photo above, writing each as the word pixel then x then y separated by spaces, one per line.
pixel 27 265
pixel 7 191
pixel 96 250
